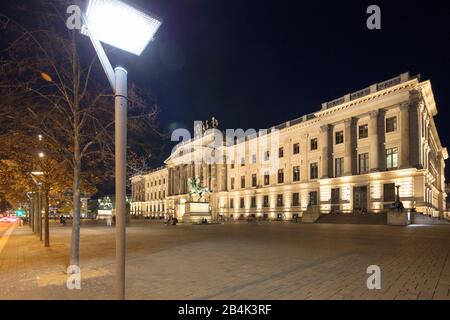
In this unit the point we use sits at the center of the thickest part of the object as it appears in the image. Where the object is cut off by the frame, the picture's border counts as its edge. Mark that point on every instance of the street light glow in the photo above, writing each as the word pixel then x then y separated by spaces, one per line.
pixel 117 24
pixel 41 155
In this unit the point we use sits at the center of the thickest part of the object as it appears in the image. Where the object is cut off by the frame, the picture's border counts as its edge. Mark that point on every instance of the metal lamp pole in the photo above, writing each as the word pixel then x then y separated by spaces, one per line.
pixel 124 17
pixel 118 81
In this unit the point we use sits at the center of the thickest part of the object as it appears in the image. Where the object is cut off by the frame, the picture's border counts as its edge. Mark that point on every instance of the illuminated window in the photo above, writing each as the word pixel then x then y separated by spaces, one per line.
pixel 296 148
pixel 391 158
pixel 279 200
pixel 295 199
pixel 313 144
pixel 280 176
pixel 253 202
pixel 363 131
pixel 363 163
pixel 313 198
pixel 296 174
pixel 335 196
pixel 266 201
pixel 266 179
pixel 391 124
pixel 314 170
pixel 339 137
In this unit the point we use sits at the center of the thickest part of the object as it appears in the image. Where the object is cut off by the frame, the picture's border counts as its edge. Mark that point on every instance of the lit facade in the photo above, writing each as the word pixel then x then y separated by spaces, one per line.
pixel 348 157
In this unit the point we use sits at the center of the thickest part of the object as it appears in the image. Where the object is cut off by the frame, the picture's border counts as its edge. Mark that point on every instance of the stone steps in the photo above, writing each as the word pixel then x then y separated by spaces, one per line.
pixel 419 218
pixel 368 218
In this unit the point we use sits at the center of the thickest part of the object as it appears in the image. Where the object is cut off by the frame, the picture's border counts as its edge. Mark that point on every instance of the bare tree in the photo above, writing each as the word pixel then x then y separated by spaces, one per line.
pixel 63 95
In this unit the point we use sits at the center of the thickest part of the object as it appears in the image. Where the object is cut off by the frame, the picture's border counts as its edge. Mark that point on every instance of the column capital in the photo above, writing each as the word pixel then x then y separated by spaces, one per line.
pixel 324 128
pixel 373 114
pixel 404 105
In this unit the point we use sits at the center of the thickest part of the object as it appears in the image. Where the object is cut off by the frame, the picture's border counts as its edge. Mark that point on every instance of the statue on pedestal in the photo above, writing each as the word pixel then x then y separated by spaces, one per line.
pixel 195 188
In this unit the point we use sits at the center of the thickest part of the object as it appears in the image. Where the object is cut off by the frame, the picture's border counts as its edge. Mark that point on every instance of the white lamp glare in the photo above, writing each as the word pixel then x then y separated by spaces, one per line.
pixel 117 24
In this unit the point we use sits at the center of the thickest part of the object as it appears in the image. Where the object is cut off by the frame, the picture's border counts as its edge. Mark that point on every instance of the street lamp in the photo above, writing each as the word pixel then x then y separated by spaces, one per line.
pixel 122 26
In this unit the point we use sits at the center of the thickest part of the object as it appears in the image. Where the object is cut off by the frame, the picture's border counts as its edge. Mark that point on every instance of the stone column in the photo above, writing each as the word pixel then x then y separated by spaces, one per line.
pixel 354 145
pixel 381 139
pixel 304 149
pixel 169 177
pixel 348 148
pixel 405 138
pixel 324 145
pixel 214 178
pixel 415 145
pixel 373 136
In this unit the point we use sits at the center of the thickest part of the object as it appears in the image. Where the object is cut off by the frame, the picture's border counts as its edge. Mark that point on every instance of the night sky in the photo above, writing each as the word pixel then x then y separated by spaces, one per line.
pixel 255 64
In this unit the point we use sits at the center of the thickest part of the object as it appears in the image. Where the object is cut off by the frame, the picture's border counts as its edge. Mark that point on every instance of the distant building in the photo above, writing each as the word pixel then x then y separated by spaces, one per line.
pixel 349 156
pixel 106 206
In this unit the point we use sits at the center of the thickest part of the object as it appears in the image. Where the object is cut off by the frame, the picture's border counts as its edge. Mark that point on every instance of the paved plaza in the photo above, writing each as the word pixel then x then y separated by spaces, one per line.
pixel 232 261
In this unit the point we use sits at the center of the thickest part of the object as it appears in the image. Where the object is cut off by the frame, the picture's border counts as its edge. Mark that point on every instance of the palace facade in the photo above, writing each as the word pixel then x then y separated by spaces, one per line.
pixel 356 154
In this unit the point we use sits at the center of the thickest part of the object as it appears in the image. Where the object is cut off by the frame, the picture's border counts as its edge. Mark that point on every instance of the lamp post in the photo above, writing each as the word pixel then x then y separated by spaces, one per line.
pixel 122 26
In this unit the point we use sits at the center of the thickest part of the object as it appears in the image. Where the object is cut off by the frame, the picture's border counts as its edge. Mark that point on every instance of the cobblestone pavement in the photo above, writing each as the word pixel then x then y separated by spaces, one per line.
pixel 234 261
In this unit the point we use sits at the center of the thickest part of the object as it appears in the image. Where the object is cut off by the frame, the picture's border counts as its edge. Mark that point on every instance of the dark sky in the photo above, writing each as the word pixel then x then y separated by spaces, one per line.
pixel 254 64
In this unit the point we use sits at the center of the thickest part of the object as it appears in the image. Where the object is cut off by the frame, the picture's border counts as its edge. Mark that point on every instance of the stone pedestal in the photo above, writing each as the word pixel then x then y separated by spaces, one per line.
pixel 195 212
pixel 398 218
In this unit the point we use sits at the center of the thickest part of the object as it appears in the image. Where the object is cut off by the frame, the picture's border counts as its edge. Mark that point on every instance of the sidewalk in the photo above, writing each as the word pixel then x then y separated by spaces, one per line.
pixel 28 270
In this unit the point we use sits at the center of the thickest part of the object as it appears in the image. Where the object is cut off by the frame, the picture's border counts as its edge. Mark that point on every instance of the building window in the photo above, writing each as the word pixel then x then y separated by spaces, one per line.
pixel 335 197
pixel 279 200
pixel 338 167
pixel 313 198
pixel 231 203
pixel 254 159
pixel 232 183
pixel 266 179
pixel 389 192
pixel 363 163
pixel 243 182
pixel 267 155
pixel 391 124
pixel 391 158
pixel 280 152
pixel 296 148
pixel 364 131
pixel 253 202
pixel 295 200
pixel 314 144
pixel 314 170
pixel 296 174
pixel 242 203
pixel 280 176
pixel 242 162
pixel 266 201
pixel 232 164
pixel 254 181
pixel 339 137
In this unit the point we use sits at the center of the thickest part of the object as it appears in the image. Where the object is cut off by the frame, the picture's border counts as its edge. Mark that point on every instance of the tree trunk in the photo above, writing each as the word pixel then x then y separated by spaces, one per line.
pixel 31 214
pixel 75 246
pixel 39 213
pixel 47 227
